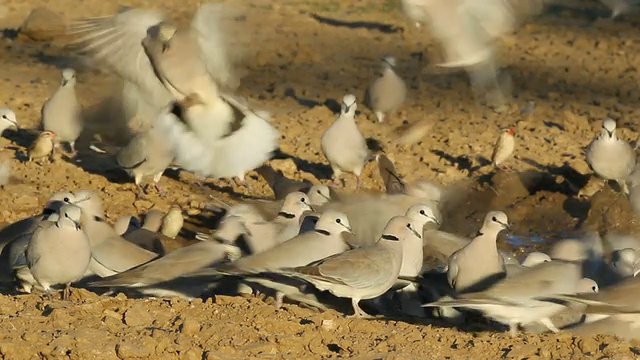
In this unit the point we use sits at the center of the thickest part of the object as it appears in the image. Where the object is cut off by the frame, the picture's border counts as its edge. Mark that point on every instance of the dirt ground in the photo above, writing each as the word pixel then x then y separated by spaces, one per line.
pixel 570 69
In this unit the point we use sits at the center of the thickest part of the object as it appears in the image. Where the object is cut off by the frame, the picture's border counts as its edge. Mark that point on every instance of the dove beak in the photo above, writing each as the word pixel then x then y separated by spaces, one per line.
pixel 351 231
pixel 433 218
pixel 415 233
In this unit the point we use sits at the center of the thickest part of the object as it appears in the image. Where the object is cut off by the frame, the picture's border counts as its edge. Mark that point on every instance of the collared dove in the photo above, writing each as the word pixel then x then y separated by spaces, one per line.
pixel 172 222
pixel 62 113
pixel 160 62
pixel 626 262
pixel 609 157
pixel 281 185
pixel 59 252
pixel 624 326
pixel 190 130
pixel 533 258
pixel 147 154
pixel 514 300
pixel 42 146
pixel 503 149
pixel 8 120
pixel 363 273
pixel 387 92
pixel 111 253
pixel 479 263
pixel 343 144
pixel 155 277
pixel 393 183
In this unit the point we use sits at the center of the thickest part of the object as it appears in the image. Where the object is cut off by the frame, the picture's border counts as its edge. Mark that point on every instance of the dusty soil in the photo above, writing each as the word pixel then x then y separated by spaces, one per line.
pixel 574 66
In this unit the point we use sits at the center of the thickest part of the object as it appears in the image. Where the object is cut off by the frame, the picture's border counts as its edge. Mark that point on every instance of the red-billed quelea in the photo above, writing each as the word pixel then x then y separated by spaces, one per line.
pixel 610 157
pixel 62 113
pixel 42 146
pixel 387 92
pixel 59 251
pixel 343 144
pixel 479 264
pixel 504 147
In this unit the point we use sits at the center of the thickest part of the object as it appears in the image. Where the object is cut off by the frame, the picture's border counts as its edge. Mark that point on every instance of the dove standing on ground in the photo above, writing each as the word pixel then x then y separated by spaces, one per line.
pixel 8 120
pixel 343 144
pixel 111 253
pixel 512 301
pixel 59 252
pixel 147 154
pixel 478 264
pixel 190 130
pixel 387 92
pixel 159 61
pixel 62 113
pixel 363 273
pixel 42 146
pixel 609 157
pixel 172 222
pixel 504 147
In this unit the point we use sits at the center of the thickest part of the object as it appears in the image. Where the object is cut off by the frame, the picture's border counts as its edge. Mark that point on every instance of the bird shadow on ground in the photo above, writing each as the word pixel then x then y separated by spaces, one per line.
pixel 369 25
pixel 59 61
pixel 22 139
pixel 331 104
pixel 10 33
pixel 319 170
pixel 462 162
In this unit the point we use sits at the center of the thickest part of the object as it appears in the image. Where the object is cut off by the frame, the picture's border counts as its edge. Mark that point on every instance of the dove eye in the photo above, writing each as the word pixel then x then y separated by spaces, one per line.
pixel 5 117
pixel 422 212
pixel 66 199
pixel 302 200
pixel 338 221
pixel 494 219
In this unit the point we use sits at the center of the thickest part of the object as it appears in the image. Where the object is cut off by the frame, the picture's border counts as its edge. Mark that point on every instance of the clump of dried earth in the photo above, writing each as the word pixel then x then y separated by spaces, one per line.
pixel 574 66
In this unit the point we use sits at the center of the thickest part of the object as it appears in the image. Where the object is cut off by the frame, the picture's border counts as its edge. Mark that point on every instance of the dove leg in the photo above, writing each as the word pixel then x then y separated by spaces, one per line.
pixel 66 292
pixel 279 299
pixel 380 116
pixel 336 176
pixel 549 324
pixel 156 180
pixel 513 329
pixel 72 145
pixel 357 312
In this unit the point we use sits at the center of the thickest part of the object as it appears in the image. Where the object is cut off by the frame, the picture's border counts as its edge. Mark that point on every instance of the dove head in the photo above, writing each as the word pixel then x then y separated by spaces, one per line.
pixel 70 212
pixel 494 222
pixel 294 205
pixel 7 119
pixel 398 229
pixel 421 214
pixel 587 286
pixel 535 258
pixel 608 128
pixel 626 262
pixel 68 77
pixel 319 195
pixel 166 30
pixel 88 200
pixel 349 105
pixel 388 62
pixel 333 222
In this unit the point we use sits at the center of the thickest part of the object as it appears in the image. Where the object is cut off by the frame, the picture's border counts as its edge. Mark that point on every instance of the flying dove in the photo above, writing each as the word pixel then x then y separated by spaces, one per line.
pixel 513 301
pixel 111 253
pixel 393 182
pixel 59 252
pixel 533 258
pixel 8 120
pixel 503 149
pixel 388 91
pixel 159 61
pixel 172 222
pixel 363 273
pixel 609 157
pixel 192 130
pixel 62 113
pixel 624 326
pixel 343 144
pixel 42 146
pixel 479 263
pixel 281 185
pixel 145 237
pixel 147 154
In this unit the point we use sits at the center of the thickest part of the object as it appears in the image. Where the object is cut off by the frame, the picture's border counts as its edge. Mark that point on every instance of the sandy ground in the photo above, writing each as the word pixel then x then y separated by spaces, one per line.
pixel 575 67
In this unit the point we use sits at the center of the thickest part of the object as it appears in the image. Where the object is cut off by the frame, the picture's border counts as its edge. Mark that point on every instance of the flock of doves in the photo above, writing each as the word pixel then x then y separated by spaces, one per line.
pixel 313 244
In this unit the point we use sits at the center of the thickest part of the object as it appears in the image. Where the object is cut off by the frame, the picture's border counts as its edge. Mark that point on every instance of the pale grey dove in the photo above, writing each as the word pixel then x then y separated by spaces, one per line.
pixel 343 144
pixel 388 91
pixel 146 154
pixel 111 253
pixel 503 148
pixel 479 264
pixel 59 252
pixel 532 259
pixel 62 113
pixel 610 157
pixel 363 273
pixel 512 301
pixel 200 144
pixel 8 120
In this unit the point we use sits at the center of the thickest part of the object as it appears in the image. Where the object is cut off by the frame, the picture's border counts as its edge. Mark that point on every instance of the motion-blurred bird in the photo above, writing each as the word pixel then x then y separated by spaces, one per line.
pixel 343 144
pixel 172 222
pixel 62 113
pixel 387 92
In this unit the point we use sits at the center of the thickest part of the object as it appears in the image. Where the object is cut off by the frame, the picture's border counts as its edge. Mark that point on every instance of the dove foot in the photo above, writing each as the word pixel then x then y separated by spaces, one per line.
pixel 357 311
pixel 513 330
pixel 549 324
pixel 159 190
pixel 279 299
pixel 66 292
